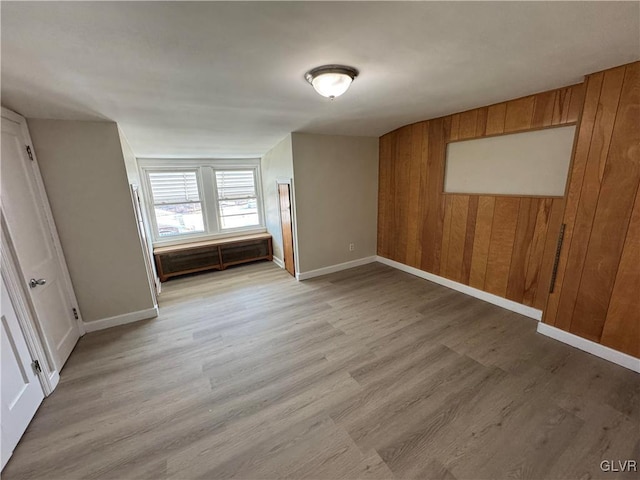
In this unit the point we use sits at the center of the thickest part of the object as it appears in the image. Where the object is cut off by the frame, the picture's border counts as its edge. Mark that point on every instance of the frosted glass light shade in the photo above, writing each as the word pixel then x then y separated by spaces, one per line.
pixel 331 81
pixel 331 85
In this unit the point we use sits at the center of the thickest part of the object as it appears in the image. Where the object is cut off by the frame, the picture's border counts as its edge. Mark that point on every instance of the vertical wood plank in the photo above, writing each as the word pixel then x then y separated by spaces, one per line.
pixel 576 102
pixel 384 161
pixel 457 236
pixel 543 109
pixel 392 211
pixel 413 207
pixel 503 231
pixel 519 114
pixel 549 256
pixel 481 122
pixel 536 251
pixel 481 241
pixel 454 132
pixel 524 236
pixel 561 106
pixel 495 118
pixel 467 128
pixel 402 166
pixel 598 151
pixel 432 231
pixel 446 234
pixel 620 180
pixel 424 195
pixel 576 177
pixel 622 325
pixel 470 232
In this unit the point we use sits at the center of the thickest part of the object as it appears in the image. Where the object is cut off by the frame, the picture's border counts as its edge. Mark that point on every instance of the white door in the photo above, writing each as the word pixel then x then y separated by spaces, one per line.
pixel 21 392
pixel 32 234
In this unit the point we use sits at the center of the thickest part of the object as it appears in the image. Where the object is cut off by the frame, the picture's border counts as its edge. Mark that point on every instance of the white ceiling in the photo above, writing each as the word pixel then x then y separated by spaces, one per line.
pixel 226 79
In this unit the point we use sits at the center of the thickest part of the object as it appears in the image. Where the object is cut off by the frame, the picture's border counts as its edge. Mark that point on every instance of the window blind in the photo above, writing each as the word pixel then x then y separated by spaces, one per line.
pixel 174 187
pixel 235 184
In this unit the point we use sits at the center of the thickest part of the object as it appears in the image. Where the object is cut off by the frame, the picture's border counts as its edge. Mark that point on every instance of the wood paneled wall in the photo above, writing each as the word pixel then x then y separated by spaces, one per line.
pixel 597 294
pixel 504 245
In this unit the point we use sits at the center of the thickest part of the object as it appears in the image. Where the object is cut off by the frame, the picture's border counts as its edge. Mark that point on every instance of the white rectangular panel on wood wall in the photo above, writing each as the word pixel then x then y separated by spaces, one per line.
pixel 528 163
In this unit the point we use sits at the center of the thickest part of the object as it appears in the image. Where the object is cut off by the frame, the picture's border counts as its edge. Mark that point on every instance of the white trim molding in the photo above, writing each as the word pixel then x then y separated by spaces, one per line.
pixel 460 287
pixel 602 351
pixel 334 268
pixel 121 319
pixel 278 262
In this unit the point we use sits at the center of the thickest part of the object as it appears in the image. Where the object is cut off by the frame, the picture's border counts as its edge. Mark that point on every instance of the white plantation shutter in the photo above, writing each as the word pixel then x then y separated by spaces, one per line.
pixel 235 184
pixel 174 187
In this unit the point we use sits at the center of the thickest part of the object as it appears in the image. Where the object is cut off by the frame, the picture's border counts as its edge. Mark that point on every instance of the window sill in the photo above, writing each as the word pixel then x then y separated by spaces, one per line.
pixel 203 237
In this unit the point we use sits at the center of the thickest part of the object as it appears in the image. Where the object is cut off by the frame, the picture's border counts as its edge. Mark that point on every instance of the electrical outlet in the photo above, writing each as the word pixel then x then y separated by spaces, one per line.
pixel 352 247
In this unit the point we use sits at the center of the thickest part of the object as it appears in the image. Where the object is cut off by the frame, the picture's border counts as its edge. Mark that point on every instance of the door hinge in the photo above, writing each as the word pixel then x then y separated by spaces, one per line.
pixel 36 366
pixel 29 152
pixel 556 261
pixel 75 313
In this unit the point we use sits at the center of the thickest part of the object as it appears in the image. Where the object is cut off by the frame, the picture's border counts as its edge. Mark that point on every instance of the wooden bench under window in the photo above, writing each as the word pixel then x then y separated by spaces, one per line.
pixel 211 254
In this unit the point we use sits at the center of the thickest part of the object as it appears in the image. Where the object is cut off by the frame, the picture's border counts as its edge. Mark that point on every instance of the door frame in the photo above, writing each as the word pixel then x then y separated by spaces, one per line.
pixel 39 184
pixel 145 243
pixel 289 181
pixel 49 376
pixel 15 281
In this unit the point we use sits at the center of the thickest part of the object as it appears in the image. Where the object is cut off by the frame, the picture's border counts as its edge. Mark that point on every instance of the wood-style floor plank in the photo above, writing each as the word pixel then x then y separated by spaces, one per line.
pixel 365 373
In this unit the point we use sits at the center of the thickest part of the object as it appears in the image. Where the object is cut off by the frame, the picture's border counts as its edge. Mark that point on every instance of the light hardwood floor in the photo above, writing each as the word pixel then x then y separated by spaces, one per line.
pixel 366 373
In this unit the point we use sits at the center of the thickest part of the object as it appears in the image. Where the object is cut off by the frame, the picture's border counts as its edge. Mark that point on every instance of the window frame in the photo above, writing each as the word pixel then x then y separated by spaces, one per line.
pixel 205 173
pixel 217 196
pixel 152 204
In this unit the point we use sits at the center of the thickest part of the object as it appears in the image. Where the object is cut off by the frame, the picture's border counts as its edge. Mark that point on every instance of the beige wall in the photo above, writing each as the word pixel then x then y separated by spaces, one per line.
pixel 84 174
pixel 336 197
pixel 277 164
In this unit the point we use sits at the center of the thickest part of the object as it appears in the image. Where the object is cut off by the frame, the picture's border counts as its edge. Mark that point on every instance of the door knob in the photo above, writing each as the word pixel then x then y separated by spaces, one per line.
pixel 33 283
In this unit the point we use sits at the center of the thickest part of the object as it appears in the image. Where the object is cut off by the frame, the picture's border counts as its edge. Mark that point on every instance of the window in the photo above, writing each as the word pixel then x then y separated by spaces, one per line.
pixel 197 199
pixel 237 198
pixel 176 203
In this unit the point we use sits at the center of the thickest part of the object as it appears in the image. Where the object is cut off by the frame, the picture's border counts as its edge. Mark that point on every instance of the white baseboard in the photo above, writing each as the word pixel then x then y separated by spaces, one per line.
pixel 121 319
pixel 334 268
pixel 588 346
pixel 278 262
pixel 474 292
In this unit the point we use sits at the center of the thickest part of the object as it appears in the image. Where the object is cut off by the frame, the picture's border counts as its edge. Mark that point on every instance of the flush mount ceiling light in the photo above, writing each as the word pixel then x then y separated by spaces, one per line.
pixel 331 81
